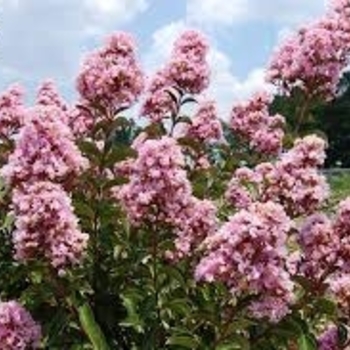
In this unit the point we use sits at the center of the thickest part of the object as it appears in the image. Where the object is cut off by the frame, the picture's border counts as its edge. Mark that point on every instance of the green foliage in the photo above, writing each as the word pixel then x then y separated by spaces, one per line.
pixel 340 186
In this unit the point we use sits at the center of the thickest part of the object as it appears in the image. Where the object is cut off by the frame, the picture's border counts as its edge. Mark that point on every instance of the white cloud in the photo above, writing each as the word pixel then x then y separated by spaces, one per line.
pixel 10 3
pixel 162 42
pixel 117 10
pixel 60 33
pixel 226 87
pixel 237 11
pixel 217 11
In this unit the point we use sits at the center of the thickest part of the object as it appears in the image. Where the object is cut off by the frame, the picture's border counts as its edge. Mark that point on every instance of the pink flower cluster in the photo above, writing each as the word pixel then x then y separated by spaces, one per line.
pixel 196 221
pixel 12 111
pixel 248 254
pixel 340 10
pixel 45 154
pixel 187 70
pixel 159 192
pixel 339 286
pixel 206 126
pixel 18 330
pixel 329 339
pixel 44 149
pixel 48 95
pixel 314 57
pixel 158 103
pixel 46 225
pixel 81 119
pixel 342 231
pixel 252 121
pixel 325 251
pixel 293 181
pixel 319 246
pixel 157 181
pixel 188 67
pixel 111 76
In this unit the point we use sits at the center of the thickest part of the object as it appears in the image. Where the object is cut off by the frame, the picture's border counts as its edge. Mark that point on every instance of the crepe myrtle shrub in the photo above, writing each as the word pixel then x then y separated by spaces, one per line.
pixel 171 229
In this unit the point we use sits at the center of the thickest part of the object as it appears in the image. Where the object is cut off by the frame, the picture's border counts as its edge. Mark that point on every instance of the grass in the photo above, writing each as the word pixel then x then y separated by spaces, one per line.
pixel 340 187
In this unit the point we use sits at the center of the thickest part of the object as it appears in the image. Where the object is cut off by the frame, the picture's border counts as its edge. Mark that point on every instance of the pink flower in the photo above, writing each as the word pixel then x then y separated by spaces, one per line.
pixel 206 126
pixel 46 226
pixel 112 76
pixel 48 95
pixel 248 254
pixel 187 70
pixel 236 192
pixel 342 232
pixel 12 111
pixel 252 121
pixel 294 180
pixel 340 290
pixel 319 246
pixel 157 182
pixel 193 224
pixel 329 339
pixel 158 105
pixel 18 330
pixel 44 149
pixel 159 192
pixel 313 58
pixel 81 119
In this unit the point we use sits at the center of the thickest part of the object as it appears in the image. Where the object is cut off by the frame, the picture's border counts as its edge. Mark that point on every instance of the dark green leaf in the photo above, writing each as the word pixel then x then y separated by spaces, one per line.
pixel 91 328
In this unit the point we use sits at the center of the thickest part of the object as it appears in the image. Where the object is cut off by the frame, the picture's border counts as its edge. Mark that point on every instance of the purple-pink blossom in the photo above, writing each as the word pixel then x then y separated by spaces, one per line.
pixel 48 95
pixel 45 225
pixel 158 181
pixel 12 110
pixel 111 76
pixel 44 149
pixel 159 192
pixel 293 180
pixel 248 253
pixel 188 67
pixel 187 70
pixel 252 121
pixel 313 58
pixel 206 126
pixel 319 246
pixel 18 330
pixel 329 339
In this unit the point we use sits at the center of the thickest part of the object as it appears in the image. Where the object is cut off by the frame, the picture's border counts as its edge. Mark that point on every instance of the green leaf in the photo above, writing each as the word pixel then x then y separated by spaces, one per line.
pixel 83 210
pixel 342 334
pixel 120 152
pixel 306 342
pixel 326 306
pixel 184 119
pixel 236 342
pixel 91 328
pixel 304 282
pixel 226 347
pixel 133 319
pixel 117 181
pixel 8 222
pixel 185 341
pixel 191 143
pixel 90 150
pixel 173 96
pixel 155 130
pixel 178 306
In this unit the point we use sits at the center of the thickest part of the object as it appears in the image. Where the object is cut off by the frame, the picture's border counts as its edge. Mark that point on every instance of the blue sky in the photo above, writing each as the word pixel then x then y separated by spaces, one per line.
pixel 42 39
